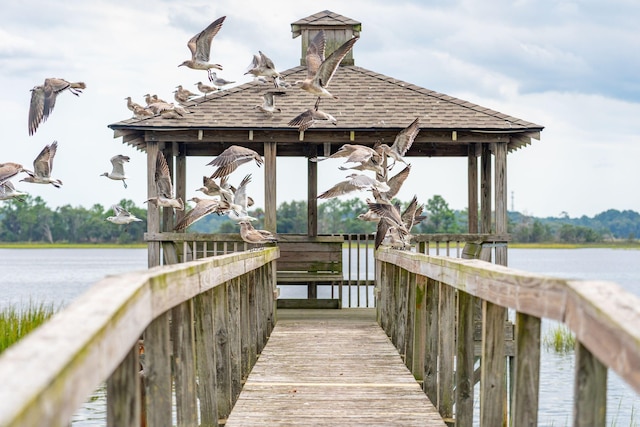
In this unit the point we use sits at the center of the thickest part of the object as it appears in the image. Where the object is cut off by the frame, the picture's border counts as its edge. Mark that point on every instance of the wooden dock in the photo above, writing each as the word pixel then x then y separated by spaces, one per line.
pixel 327 368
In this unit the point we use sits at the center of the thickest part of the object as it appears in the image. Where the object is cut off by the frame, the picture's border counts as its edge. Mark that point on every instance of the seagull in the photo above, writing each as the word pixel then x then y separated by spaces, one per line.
pixel 43 99
pixel 122 216
pixel 205 88
pixel 202 208
pixel 200 47
pixel 402 142
pixel 269 102
pixel 164 187
pixel 253 236
pixel 139 112
pixel 310 117
pixel 182 96
pixel 262 66
pixel 8 192
pixel 320 70
pixel 219 82
pixel 231 158
pixel 395 183
pixel 412 215
pixel 390 225
pixel 132 105
pixel 356 182
pixel 238 208
pixel 366 157
pixel 9 170
pixel 117 172
pixel 42 167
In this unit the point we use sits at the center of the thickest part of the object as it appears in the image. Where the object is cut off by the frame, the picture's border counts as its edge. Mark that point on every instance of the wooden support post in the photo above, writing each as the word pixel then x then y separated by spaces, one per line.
pixel 312 193
pixel 464 360
pixel 223 351
pixel 527 371
pixel 590 390
pixel 501 199
pixel 430 384
pixel 123 392
pixel 235 341
pixel 153 216
pixel 270 202
pixel 157 354
pixel 184 361
pixel 492 381
pixel 419 329
pixel 206 359
pixel 472 177
pixel 446 350
pixel 410 325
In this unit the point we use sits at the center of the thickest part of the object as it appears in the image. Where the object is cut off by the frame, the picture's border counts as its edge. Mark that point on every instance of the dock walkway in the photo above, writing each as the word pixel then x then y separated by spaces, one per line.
pixel 327 368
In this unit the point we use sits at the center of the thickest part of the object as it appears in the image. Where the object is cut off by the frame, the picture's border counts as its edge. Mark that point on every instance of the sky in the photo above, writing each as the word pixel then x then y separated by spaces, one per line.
pixel 571 67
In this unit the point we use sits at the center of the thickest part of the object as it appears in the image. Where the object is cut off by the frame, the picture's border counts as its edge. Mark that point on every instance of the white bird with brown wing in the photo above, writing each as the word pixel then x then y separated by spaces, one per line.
pixel 320 71
pixel 9 192
pixel 355 182
pixel 205 89
pixel 268 105
pixel 231 158
pixel 402 142
pixel 182 95
pixel 202 208
pixel 200 47
pixel 117 169
pixel 10 169
pixel 262 66
pixel 122 216
pixel 42 167
pixel 364 157
pixel 310 117
pixel 253 236
pixel 43 99
pixel 164 186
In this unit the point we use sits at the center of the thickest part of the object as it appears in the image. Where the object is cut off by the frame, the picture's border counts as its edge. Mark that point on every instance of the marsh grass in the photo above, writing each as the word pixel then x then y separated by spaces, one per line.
pixel 560 340
pixel 16 322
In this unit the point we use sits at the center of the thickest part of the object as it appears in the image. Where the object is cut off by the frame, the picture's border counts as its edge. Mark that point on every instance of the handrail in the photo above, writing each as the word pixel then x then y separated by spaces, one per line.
pixel 604 318
pixel 50 373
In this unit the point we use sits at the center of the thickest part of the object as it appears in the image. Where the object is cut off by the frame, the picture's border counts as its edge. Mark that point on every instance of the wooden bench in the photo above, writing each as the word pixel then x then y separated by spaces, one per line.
pixel 309 261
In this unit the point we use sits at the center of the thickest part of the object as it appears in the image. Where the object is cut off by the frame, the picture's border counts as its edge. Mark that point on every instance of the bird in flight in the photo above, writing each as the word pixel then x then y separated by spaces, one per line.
pixel 202 208
pixel 42 167
pixel 117 171
pixel 231 158
pixel 200 47
pixel 122 216
pixel 310 117
pixel 402 143
pixel 268 105
pixel 164 186
pixel 43 99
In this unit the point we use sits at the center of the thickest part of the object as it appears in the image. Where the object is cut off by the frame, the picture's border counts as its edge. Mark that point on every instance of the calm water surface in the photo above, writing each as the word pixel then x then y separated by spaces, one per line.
pixel 59 275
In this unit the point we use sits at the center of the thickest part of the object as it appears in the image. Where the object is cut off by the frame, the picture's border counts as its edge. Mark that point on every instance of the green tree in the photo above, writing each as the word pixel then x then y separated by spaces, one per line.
pixel 440 218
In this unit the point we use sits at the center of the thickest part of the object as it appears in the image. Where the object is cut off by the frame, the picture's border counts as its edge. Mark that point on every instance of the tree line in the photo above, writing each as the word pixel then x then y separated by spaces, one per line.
pixel 32 220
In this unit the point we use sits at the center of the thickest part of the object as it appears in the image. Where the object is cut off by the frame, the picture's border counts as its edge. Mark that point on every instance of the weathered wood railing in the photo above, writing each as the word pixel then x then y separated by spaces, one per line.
pixel 219 310
pixel 425 302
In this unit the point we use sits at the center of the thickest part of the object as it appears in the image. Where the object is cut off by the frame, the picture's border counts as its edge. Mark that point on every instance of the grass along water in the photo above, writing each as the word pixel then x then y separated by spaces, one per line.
pixel 16 322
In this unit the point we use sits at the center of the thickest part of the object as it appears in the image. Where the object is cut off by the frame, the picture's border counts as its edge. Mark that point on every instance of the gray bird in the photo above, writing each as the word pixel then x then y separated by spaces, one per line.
pixel 253 236
pixel 219 82
pixel 231 158
pixel 205 88
pixel 182 96
pixel 262 66
pixel 320 70
pixel 202 208
pixel 8 192
pixel 43 99
pixel 200 47
pixel 402 142
pixel 164 187
pixel 268 105
pixel 117 169
pixel 366 157
pixel 310 117
pixel 42 167
pixel 132 105
pixel 9 170
pixel 122 216
pixel 355 182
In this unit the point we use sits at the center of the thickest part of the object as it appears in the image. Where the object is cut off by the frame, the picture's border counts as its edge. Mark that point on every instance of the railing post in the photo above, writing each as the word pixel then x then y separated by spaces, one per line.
pixel 419 329
pixel 206 359
pixel 590 390
pixel 410 324
pixel 184 361
pixel 157 356
pixel 222 351
pixel 527 371
pixel 235 334
pixel 464 360
pixel 123 392
pixel 430 376
pixel 492 382
pixel 446 350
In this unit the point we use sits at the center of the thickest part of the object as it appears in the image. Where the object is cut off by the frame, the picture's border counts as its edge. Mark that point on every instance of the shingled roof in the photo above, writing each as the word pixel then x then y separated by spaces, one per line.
pixel 371 107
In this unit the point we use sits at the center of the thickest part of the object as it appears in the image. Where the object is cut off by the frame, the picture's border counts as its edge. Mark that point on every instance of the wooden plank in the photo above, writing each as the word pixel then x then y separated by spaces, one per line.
pixel 123 392
pixel 590 389
pixel 430 378
pixel 527 371
pixel 270 184
pixel 184 361
pixel 493 363
pixel 446 350
pixel 338 383
pixel 464 360
pixel 222 351
pixel 472 189
pixel 205 340
pixel 157 356
pixel 321 303
pixel 235 337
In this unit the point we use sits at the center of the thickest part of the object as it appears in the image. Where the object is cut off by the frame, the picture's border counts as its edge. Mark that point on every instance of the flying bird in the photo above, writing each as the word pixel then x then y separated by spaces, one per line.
pixel 253 236
pixel 231 158
pixel 9 170
pixel 269 102
pixel 320 70
pixel 366 157
pixel 122 216
pixel 164 187
pixel 310 117
pixel 43 99
pixel 211 188
pixel 238 207
pixel 8 192
pixel 262 66
pixel 200 47
pixel 202 208
pixel 395 183
pixel 117 170
pixel 355 182
pixel 402 142
pixel 42 167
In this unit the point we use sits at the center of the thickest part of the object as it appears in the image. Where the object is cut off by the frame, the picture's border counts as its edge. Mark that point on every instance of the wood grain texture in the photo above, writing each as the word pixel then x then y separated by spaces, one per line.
pixel 326 371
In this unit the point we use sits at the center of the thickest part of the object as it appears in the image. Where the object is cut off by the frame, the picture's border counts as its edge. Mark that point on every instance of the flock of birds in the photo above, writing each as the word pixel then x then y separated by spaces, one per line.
pixel 394 227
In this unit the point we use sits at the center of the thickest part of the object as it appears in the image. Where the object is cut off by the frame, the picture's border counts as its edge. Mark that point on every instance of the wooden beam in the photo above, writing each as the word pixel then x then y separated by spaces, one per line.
pixel 312 193
pixel 270 202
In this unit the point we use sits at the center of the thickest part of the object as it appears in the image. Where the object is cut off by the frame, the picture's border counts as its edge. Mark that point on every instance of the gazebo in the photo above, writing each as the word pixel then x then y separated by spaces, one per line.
pixel 371 108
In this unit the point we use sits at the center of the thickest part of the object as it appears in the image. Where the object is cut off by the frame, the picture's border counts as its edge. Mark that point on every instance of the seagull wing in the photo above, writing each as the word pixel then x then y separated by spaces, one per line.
pixel 303 120
pixel 117 162
pixel 405 137
pixel 240 195
pixel 341 188
pixel 396 181
pixel 36 109
pixel 200 44
pixel 329 66
pixel 164 186
pixel 43 164
pixel 315 54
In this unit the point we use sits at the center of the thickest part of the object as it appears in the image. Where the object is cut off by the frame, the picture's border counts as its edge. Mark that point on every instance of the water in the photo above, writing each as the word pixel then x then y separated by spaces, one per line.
pixel 59 275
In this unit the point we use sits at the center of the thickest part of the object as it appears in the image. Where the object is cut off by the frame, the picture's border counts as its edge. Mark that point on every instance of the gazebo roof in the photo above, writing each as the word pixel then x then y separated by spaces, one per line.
pixel 371 107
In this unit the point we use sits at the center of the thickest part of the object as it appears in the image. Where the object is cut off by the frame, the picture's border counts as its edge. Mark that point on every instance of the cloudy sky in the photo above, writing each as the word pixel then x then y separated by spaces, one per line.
pixel 572 67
